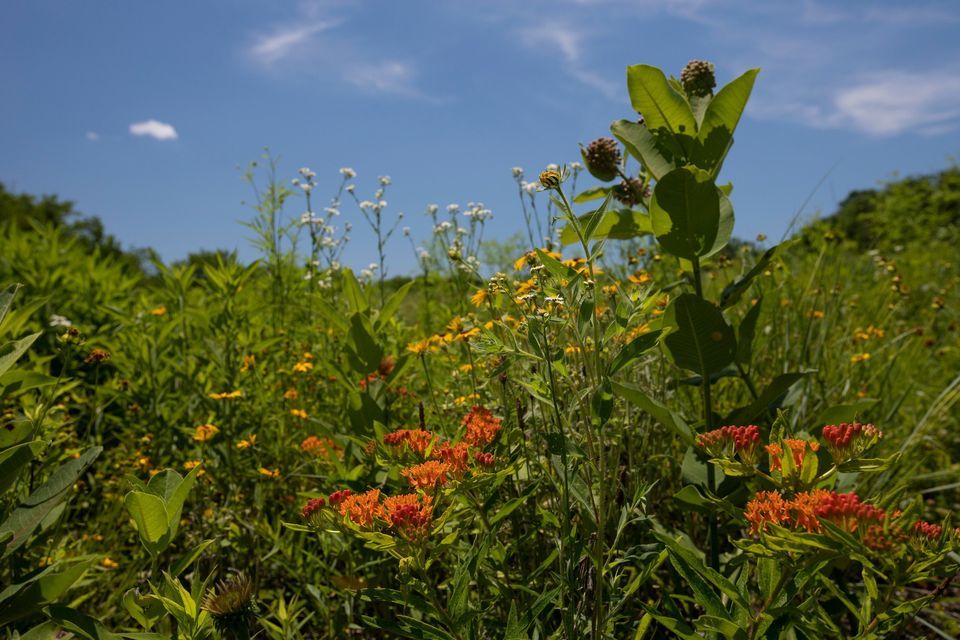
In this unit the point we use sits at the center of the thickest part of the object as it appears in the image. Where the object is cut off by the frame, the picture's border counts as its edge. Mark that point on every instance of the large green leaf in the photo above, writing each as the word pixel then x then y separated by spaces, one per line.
pixel 767 399
pixel 11 352
pixel 41 503
pixel 685 211
pixel 150 516
pixel 14 459
pixel 633 350
pixel 392 305
pixel 701 339
pixel 353 292
pixel 6 299
pixel 658 156
pixel 79 623
pixel 39 590
pixel 662 108
pixel 720 120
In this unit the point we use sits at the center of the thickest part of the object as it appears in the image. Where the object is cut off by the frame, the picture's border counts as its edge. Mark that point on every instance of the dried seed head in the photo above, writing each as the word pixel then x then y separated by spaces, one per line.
pixel 698 78
pixel 602 157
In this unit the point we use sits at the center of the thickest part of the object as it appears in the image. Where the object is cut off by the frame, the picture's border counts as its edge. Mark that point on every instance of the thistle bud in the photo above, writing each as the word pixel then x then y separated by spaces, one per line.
pixel 602 157
pixel 698 78
pixel 231 606
pixel 550 179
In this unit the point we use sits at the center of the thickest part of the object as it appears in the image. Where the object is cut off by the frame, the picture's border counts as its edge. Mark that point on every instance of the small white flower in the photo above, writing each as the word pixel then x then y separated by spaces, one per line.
pixel 432 209
pixel 372 266
pixel 378 194
pixel 348 227
pixel 517 172
pixel 553 167
pixel 406 231
pixel 305 218
pixel 350 188
pixel 306 186
pixel 333 211
pixel 453 208
pixel 382 204
pixel 576 166
pixel 385 180
pixel 422 253
pixel 57 320
pixel 366 204
pixel 348 173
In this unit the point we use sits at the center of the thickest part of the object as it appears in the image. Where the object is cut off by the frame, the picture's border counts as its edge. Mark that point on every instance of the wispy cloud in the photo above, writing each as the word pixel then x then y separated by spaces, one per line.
pixel 348 62
pixel 154 129
pixel 285 41
pixel 93 136
pixel 893 102
pixel 568 42
pixel 390 77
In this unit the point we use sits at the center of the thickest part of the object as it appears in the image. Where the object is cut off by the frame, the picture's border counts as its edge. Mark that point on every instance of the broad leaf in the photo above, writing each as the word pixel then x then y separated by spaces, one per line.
pixel 11 352
pixel 701 339
pixel 150 516
pixel 685 211
pixel 720 120
pixel 657 157
pixel 620 224
pixel 662 108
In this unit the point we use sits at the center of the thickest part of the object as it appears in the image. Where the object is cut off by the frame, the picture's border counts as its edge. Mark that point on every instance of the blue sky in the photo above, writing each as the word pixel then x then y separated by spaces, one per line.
pixel 144 113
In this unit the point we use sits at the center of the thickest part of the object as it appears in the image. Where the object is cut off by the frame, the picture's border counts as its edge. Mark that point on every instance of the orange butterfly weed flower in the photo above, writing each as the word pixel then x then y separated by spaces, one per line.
pixel 767 507
pixel 410 514
pixel 362 509
pixel 456 456
pixel 482 426
pixel 428 475
pixel 417 440
pixel 321 447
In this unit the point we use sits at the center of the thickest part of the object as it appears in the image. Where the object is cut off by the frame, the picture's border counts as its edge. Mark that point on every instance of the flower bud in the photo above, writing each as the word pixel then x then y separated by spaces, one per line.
pixel 602 157
pixel 550 179
pixel 698 78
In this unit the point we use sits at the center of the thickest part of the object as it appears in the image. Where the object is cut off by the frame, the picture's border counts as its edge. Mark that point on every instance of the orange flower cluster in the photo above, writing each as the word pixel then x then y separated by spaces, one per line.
pixel 427 476
pixel 410 514
pixel 796 446
pixel 482 426
pixel 726 441
pixel 321 447
pixel 846 441
pixel 417 440
pixel 457 456
pixel 361 508
pixel 806 510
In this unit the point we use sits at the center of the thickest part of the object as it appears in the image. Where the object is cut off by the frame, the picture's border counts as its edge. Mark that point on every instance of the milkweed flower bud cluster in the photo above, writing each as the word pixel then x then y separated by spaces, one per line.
pixel 726 442
pixel 603 158
pixel 698 78
pixel 848 441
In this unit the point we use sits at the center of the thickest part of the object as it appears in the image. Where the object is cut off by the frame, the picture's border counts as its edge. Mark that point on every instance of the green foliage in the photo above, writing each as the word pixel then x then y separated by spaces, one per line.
pixel 535 454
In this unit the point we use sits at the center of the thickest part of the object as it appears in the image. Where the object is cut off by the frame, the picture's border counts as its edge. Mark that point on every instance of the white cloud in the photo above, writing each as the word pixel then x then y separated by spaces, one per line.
pixel 897 101
pixel 154 129
pixel 93 136
pixel 285 41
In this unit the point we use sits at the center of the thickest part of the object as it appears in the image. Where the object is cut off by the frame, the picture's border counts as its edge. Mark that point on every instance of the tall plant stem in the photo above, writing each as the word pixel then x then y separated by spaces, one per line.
pixel 707 426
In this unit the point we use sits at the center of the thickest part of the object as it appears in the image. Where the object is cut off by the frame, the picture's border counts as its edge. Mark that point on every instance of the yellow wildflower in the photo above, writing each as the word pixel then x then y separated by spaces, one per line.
pixel 479 297
pixel 290 394
pixel 246 443
pixel 418 347
pixel 227 395
pixel 298 413
pixel 205 432
pixel 248 363
pixel 859 357
pixel 303 367
pixel 158 311
pixel 109 563
pixel 270 473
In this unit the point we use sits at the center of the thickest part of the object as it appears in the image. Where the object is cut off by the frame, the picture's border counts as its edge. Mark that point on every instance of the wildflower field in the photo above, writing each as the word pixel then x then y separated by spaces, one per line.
pixel 634 425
